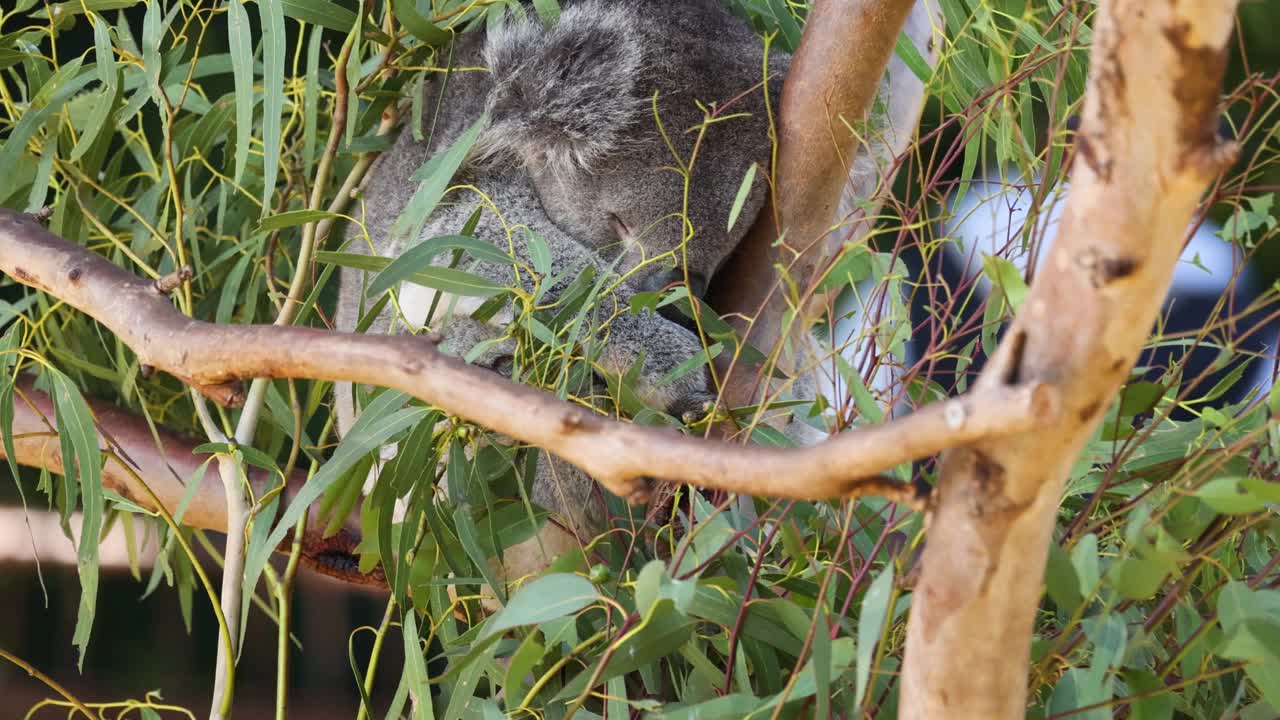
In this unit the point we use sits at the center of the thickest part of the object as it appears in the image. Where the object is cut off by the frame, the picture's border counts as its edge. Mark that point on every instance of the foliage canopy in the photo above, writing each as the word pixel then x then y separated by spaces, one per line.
pixel 185 132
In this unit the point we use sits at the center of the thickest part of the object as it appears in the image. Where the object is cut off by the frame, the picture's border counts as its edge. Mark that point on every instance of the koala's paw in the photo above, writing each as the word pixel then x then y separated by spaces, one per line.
pixel 691 396
pixel 665 346
pixel 484 345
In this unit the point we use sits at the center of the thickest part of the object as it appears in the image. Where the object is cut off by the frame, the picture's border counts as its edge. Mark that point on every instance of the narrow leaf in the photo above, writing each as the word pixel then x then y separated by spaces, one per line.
pixel 293 218
pixel 744 190
pixel 419 257
pixel 875 608
pixel 81 456
pixel 238 39
pixel 434 178
pixel 271 15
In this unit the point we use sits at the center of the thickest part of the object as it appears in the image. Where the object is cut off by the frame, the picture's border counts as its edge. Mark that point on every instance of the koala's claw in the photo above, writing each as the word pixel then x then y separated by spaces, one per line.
pixel 692 407
pixel 689 417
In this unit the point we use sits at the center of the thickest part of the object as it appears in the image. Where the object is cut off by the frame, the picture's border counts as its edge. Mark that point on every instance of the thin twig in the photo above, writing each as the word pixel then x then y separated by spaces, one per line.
pixel 284 598
pixel 50 682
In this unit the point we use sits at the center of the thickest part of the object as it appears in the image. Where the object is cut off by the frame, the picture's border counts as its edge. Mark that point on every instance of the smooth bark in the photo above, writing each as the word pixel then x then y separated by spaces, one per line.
pixel 828 155
pixel 621 456
pixel 1145 152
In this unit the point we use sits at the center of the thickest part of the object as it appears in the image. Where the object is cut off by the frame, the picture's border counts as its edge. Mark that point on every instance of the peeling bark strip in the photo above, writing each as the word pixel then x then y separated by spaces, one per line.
pixel 1149 147
pixel 619 455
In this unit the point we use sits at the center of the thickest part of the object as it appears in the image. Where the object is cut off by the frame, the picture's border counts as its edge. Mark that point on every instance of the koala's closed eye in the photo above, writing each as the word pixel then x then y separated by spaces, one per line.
pixel 620 228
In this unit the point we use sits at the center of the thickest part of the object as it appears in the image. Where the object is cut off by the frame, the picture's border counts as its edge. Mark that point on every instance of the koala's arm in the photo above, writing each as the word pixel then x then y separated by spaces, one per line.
pixel 626 336
pixel 451 103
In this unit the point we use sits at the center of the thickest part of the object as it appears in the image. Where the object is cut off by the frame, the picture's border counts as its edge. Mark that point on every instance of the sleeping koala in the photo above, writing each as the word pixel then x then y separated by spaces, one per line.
pixel 598 141
pixel 575 107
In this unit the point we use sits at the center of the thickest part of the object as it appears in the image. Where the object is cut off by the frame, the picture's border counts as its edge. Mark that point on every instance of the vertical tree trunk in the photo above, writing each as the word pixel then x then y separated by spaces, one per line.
pixel 833 81
pixel 1146 150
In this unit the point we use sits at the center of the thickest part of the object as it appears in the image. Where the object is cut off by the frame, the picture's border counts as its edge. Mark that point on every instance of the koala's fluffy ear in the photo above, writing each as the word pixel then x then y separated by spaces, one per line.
pixel 564 97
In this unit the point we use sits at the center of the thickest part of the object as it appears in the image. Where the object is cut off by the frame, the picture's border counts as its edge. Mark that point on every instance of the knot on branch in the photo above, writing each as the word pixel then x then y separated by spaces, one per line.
pixel 1105 269
pixel 166 284
pixel 636 491
pixel 1045 402
pixel 1197 78
pixel 229 394
pixel 1208 160
pixel 575 420
pixel 336 557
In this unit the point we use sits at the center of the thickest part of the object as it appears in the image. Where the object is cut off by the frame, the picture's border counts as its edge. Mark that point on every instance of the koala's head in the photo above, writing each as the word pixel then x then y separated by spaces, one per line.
pixel 575 105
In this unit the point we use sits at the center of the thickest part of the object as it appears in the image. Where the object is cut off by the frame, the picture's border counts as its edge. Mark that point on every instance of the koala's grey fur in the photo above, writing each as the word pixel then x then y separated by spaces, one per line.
pixel 576 106
pixel 572 152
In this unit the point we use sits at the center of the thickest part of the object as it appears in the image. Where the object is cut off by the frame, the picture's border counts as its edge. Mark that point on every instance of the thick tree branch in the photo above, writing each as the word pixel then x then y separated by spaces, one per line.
pixel 619 455
pixel 1145 153
pixel 833 81
pixel 166 464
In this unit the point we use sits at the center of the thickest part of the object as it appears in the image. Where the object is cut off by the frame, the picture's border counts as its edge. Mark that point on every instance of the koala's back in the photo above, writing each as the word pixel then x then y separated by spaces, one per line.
pixel 390 180
pixel 692 51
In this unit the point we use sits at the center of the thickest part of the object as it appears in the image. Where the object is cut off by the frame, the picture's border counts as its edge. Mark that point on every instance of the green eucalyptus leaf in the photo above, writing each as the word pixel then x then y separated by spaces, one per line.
pixel 547 598
pixel 416 261
pixel 1239 495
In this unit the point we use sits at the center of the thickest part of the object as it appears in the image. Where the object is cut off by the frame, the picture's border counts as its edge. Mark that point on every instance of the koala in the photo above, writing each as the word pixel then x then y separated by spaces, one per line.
pixel 620 136
pixel 606 172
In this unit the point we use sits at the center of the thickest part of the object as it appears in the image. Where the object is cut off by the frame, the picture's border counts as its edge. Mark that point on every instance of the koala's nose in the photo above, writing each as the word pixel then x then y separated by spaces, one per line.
pixel 663 279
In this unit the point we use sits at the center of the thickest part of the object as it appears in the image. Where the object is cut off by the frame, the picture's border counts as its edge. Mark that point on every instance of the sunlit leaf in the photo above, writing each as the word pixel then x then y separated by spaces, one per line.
pixel 271 17
pixel 744 190
pixel 240 42
pixel 433 179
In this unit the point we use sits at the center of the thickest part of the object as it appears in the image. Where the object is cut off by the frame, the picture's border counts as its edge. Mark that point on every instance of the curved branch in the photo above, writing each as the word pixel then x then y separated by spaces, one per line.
pixel 166 463
pixel 619 455
pixel 1145 152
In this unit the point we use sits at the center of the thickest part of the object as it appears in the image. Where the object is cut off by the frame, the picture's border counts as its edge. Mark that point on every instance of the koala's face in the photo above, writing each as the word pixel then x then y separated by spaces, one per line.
pixel 635 206
pixel 575 103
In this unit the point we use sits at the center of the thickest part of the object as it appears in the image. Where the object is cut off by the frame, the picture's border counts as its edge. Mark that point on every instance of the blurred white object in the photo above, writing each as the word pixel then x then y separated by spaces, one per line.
pixel 26 535
pixel 854 332
pixel 992 217
pixel 991 220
